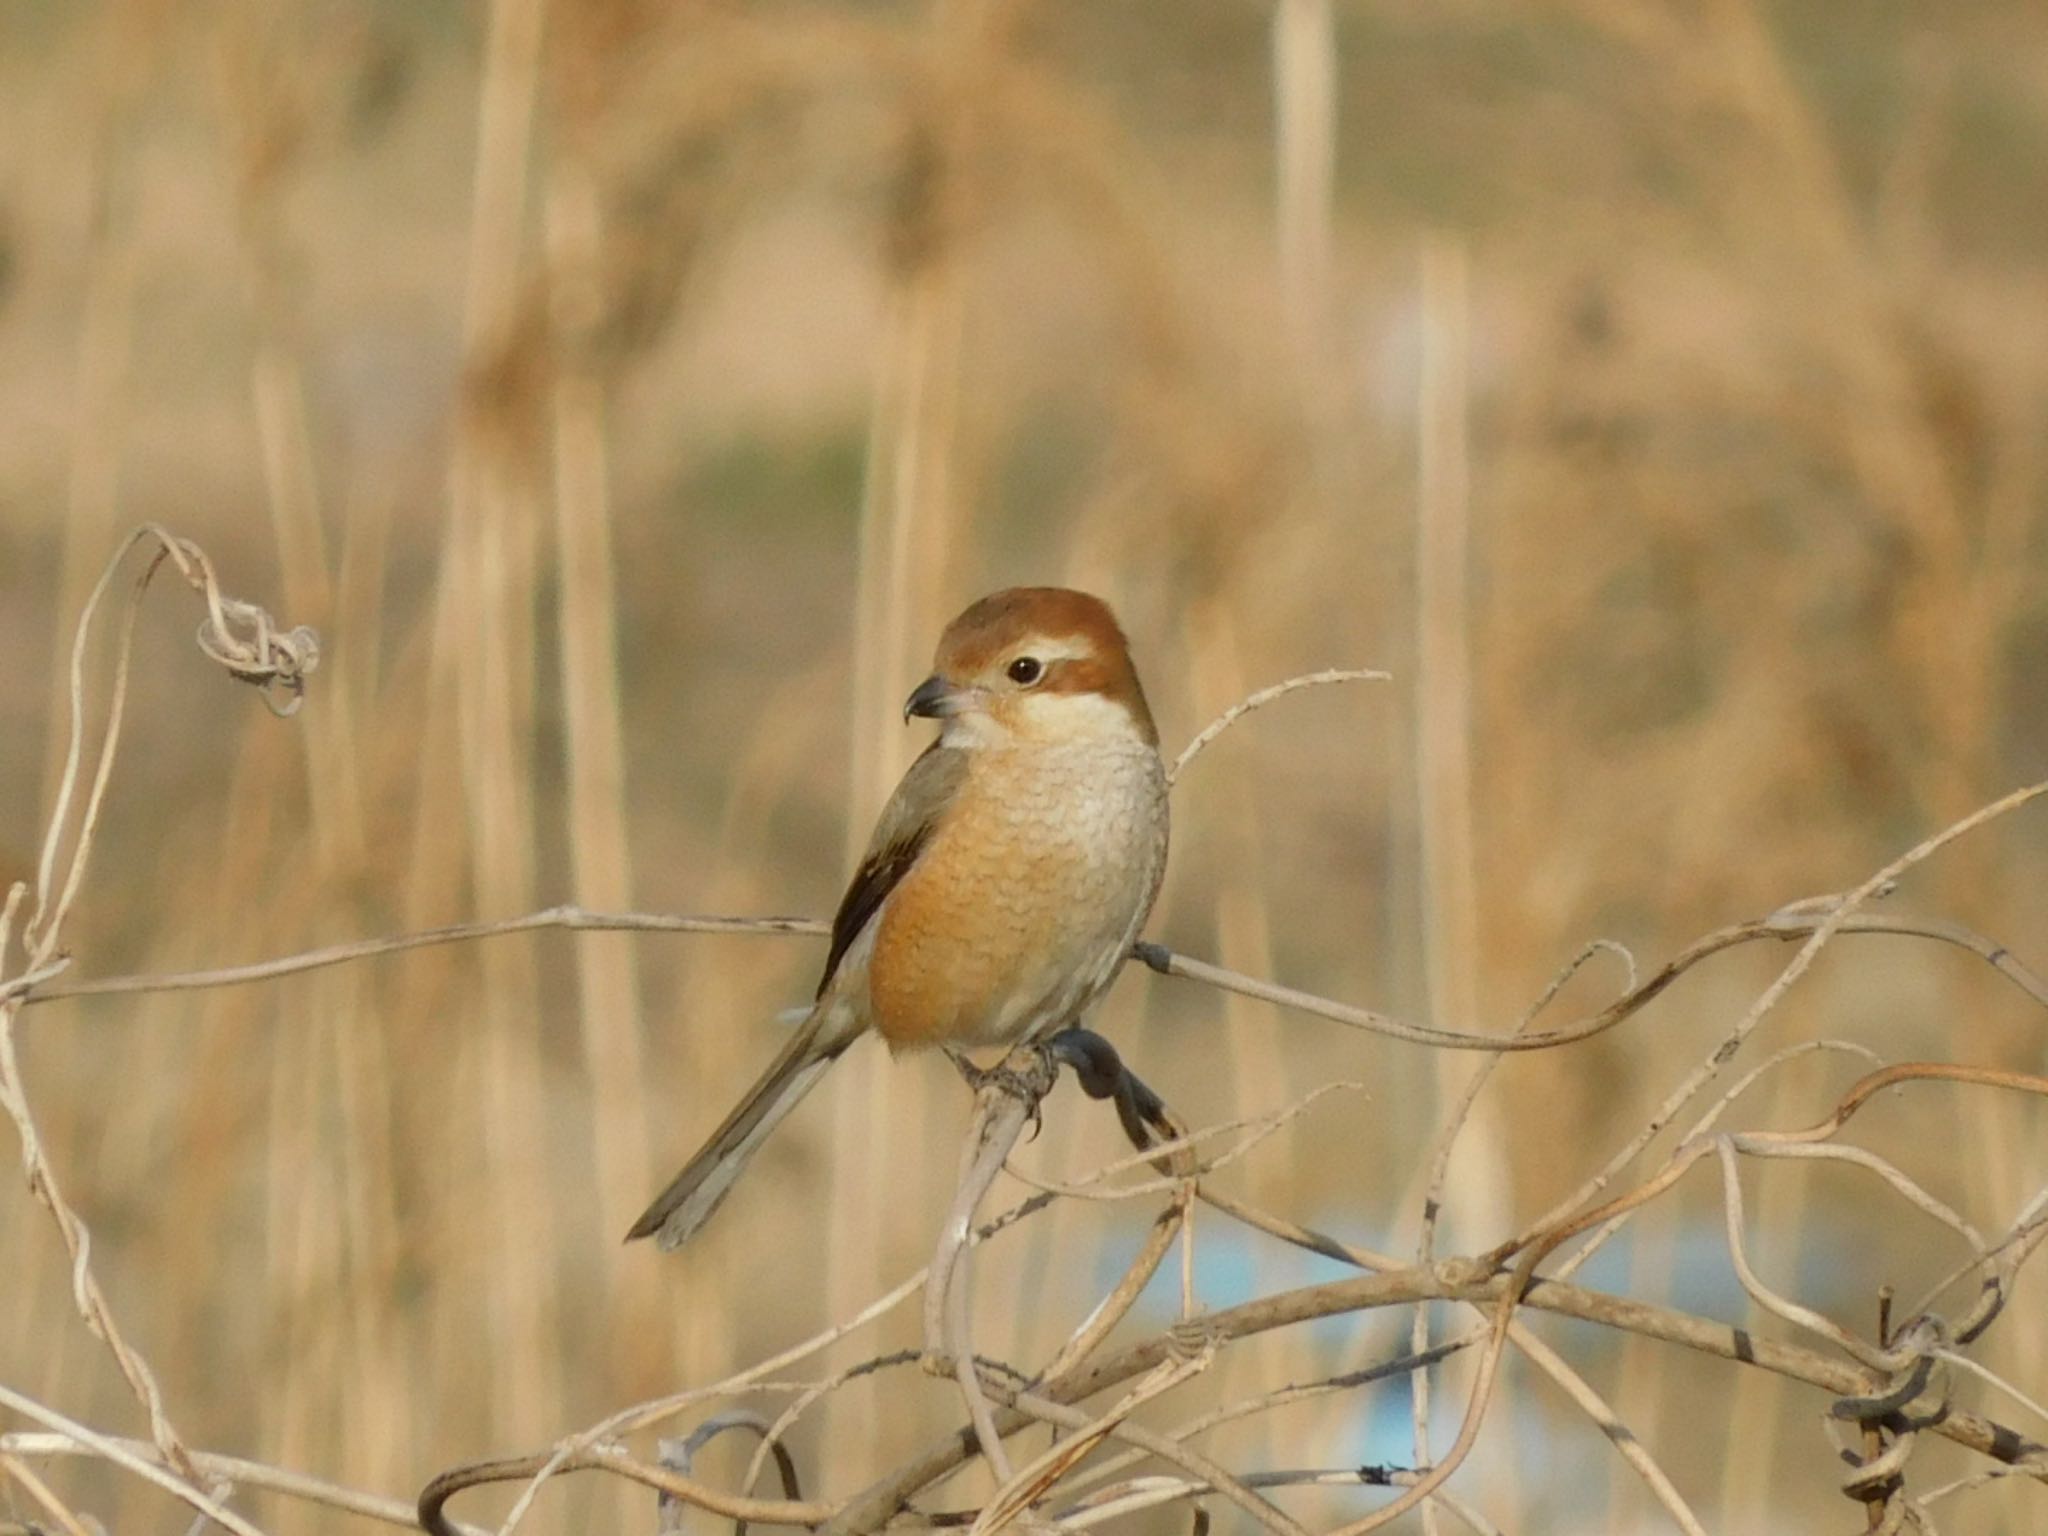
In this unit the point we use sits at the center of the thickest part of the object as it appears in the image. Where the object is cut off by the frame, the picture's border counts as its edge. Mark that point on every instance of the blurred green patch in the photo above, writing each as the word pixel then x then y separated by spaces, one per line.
pixel 803 480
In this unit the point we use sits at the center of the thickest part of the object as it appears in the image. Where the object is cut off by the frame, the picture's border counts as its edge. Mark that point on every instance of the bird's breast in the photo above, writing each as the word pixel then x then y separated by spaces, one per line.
pixel 1020 908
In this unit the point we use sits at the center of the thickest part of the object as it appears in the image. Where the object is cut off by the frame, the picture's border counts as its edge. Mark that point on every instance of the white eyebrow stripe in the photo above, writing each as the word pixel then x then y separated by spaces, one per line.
pixel 1046 649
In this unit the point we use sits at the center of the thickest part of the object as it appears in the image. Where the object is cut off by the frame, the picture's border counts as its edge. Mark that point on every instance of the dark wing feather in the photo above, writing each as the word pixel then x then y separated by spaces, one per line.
pixel 901 832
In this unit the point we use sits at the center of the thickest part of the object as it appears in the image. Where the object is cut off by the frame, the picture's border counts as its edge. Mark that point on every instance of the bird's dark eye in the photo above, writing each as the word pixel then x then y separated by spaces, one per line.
pixel 1025 670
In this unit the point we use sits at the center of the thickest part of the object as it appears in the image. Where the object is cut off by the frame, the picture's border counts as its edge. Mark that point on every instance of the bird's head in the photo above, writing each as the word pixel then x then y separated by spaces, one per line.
pixel 1041 664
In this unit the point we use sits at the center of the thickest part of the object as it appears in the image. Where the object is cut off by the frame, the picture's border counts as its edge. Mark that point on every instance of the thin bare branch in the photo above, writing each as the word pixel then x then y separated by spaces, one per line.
pixel 1142 1493
pixel 1166 1374
pixel 1624 1440
pixel 1258 700
pixel 238 1470
pixel 24 1477
pixel 1446 1281
pixel 1781 927
pixel 571 918
pixel 1835 917
pixel 151 1468
pixel 620 1463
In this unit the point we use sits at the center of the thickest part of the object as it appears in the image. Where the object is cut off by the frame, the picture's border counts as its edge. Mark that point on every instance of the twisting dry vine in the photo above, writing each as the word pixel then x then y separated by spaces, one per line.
pixel 242 638
pixel 1123 1441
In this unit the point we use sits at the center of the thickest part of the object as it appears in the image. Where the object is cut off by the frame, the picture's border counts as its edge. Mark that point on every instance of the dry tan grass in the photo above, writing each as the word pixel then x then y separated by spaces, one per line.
pixel 627 391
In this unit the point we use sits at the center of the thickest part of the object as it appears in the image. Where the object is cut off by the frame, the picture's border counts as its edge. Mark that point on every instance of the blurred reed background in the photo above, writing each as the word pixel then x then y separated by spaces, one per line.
pixel 629 391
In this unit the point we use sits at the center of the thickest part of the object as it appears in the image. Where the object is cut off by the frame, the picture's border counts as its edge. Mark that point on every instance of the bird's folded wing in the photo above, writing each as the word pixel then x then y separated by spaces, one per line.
pixel 927 791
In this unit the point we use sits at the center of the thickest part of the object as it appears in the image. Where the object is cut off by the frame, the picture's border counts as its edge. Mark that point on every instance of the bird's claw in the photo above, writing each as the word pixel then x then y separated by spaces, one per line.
pixel 1028 1084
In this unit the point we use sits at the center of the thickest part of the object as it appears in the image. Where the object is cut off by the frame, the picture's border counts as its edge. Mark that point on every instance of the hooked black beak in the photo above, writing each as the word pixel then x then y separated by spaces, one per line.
pixel 933 698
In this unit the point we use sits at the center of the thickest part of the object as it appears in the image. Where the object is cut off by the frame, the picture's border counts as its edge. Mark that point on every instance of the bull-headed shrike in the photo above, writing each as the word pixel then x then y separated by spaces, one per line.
pixel 1006 878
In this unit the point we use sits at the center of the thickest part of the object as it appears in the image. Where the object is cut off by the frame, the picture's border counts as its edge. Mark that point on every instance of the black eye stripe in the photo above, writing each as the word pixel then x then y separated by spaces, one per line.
pixel 1025 670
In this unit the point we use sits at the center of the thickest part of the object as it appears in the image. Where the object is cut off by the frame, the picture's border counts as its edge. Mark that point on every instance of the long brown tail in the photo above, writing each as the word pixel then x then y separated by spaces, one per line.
pixel 692 1195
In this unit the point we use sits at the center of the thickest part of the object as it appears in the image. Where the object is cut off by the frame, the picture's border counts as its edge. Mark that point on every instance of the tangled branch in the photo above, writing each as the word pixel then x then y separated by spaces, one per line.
pixel 1121 1443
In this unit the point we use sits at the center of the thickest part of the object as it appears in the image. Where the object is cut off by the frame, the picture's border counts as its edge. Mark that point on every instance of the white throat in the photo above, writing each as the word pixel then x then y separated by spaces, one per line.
pixel 1047 719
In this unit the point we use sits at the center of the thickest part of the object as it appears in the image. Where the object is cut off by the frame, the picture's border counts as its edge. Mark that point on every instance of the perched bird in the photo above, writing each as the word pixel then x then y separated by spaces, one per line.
pixel 1006 878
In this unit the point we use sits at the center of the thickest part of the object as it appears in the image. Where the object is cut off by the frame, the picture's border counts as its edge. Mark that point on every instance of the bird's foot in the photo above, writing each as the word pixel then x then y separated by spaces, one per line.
pixel 1097 1067
pixel 1102 1075
pixel 1027 1074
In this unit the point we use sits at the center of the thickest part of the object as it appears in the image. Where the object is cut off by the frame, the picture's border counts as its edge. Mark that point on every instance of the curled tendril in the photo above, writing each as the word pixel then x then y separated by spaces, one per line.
pixel 276 662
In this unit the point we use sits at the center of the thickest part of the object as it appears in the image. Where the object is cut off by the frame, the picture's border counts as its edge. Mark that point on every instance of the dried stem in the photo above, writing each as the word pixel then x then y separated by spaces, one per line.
pixel 1003 1105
